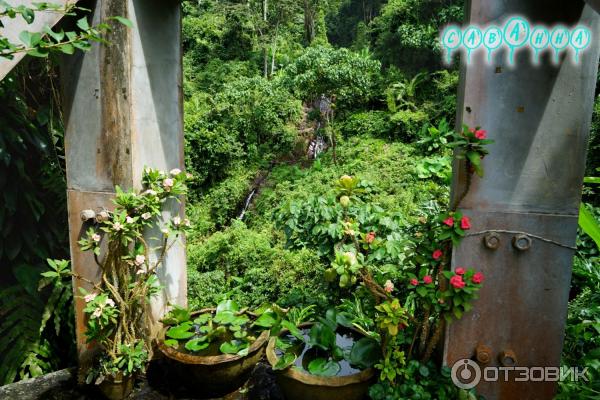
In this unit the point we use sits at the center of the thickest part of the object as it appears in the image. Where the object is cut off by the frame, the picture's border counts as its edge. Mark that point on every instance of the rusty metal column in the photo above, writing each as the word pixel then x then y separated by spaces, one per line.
pixel 123 111
pixel 539 117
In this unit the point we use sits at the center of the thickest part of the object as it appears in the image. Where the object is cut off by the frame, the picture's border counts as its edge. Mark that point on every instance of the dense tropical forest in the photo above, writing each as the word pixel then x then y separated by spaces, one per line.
pixel 282 98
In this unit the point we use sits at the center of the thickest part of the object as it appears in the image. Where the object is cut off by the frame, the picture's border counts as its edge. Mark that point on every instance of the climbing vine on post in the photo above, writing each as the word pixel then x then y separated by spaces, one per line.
pixel 116 308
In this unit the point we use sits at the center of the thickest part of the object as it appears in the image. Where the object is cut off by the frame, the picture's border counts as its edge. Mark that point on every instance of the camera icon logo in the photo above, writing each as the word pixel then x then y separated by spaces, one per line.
pixel 465 374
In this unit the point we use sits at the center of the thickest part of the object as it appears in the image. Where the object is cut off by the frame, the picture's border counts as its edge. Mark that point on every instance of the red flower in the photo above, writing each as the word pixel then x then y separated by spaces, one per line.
pixel 472 130
pixel 465 223
pixel 427 279
pixel 437 254
pixel 459 271
pixel 457 282
pixel 480 134
pixel 449 221
pixel 370 237
pixel 414 282
pixel 477 278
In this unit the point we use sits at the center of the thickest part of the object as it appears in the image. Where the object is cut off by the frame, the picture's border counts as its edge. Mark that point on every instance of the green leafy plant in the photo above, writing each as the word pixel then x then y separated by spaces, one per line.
pixel 326 70
pixel 321 350
pixel 420 381
pixel 435 167
pixel 41 44
pixel 435 138
pixel 230 327
pixel 589 224
pixel 36 314
pixel 471 143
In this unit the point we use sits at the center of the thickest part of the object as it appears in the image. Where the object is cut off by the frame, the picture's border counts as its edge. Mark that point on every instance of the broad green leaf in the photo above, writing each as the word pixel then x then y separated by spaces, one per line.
pixel 239 334
pixel 181 331
pixel 224 317
pixel 365 353
pixel 202 319
pixel 266 320
pixel 589 224
pixel 293 329
pixel 475 160
pixel 171 343
pixel 83 24
pixel 323 367
pixel 176 316
pixel 123 21
pixel 197 344
pixel 240 320
pixel 284 361
pixel 228 305
pixel 37 53
pixel 322 336
pixel 57 36
pixel 67 48
pixel 29 39
pixel 233 347
pixel 344 319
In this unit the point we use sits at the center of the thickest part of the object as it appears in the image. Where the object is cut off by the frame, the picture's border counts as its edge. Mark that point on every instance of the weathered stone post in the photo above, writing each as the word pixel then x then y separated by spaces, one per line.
pixel 539 117
pixel 123 111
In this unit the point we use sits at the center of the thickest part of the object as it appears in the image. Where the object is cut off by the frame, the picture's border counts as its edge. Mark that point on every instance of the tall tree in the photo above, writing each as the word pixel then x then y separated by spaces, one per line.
pixel 310 13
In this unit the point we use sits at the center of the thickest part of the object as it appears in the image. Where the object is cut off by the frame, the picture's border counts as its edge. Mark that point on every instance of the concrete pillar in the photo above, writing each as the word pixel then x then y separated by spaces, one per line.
pixel 123 111
pixel 539 116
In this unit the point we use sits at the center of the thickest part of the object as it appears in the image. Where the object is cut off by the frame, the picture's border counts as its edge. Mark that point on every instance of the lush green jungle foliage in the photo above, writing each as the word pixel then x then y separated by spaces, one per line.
pixel 251 81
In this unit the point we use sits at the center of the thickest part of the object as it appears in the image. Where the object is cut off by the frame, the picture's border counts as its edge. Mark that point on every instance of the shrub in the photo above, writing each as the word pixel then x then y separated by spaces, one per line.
pixel 253 268
pixel 324 70
pixel 371 123
pixel 251 118
pixel 209 153
pixel 582 342
pixel 260 111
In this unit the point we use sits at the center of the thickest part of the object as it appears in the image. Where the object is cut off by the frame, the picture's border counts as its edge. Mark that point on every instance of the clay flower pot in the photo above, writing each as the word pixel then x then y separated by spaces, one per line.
pixel 118 387
pixel 214 376
pixel 297 384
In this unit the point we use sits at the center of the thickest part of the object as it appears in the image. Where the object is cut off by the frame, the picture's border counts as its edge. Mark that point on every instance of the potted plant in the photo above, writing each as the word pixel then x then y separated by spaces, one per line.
pixel 217 349
pixel 116 309
pixel 324 360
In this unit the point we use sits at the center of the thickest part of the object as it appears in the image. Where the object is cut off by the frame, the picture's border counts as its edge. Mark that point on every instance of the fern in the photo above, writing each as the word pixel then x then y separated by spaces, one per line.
pixel 28 343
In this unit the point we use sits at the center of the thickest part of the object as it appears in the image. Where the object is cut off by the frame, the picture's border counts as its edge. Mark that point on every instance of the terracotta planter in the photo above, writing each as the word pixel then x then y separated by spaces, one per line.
pixel 297 384
pixel 118 387
pixel 214 376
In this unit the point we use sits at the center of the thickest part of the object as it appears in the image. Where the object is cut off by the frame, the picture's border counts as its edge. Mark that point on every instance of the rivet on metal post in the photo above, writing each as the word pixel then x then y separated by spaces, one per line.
pixel 492 240
pixel 87 215
pixel 521 242
pixel 102 216
pixel 483 354
pixel 507 358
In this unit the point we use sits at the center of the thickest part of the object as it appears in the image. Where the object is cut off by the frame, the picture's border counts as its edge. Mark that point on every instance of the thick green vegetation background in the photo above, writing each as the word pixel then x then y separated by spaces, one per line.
pixel 253 71
pixel 251 83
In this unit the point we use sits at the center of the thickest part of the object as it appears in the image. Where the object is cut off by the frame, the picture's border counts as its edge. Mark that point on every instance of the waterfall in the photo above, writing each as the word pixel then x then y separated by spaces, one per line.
pixel 247 204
